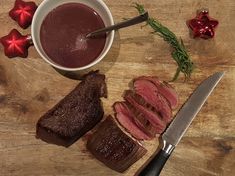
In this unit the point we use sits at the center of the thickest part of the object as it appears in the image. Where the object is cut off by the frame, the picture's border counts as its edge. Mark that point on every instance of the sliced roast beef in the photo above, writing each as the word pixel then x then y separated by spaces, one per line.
pixel 143 123
pixel 149 92
pixel 163 88
pixel 128 120
pixel 110 145
pixel 76 114
pixel 151 116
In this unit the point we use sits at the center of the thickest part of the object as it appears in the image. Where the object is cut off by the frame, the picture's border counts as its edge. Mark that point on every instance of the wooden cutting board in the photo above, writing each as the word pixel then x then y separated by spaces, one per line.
pixel 29 87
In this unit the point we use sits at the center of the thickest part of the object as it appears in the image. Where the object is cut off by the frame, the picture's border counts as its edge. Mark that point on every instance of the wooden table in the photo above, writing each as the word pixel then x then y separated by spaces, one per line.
pixel 29 87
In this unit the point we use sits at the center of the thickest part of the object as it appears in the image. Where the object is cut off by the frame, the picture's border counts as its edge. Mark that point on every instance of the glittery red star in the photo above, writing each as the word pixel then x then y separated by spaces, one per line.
pixel 202 25
pixel 23 13
pixel 15 44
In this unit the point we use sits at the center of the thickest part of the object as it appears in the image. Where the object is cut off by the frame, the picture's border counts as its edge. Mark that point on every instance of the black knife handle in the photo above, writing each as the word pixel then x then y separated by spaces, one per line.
pixel 154 167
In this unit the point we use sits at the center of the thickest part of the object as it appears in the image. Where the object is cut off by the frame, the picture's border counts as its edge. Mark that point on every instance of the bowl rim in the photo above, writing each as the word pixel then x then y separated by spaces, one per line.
pixel 96 61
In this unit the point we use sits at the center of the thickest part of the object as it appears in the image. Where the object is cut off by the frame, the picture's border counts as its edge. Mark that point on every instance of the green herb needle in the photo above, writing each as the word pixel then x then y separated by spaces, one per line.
pixel 180 55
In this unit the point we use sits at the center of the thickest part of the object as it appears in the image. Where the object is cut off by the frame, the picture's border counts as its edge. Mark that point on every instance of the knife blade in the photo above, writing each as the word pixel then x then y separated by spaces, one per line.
pixel 180 124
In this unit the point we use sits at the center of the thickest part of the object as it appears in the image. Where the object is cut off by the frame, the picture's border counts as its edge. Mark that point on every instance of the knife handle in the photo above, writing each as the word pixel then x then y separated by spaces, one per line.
pixel 154 167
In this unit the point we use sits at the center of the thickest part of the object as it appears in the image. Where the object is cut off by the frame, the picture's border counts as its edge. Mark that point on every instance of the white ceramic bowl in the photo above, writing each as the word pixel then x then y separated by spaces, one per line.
pixel 48 5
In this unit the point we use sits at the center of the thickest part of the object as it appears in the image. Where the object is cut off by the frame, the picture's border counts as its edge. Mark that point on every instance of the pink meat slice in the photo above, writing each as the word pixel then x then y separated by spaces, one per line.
pixel 164 89
pixel 126 118
pixel 152 117
pixel 149 92
pixel 142 122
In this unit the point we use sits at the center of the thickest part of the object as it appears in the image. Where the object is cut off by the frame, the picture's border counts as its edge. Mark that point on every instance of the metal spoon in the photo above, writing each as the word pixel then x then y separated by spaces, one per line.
pixel 141 18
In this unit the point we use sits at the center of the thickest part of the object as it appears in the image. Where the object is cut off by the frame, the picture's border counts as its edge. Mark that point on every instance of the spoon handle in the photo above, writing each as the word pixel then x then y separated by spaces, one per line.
pixel 141 18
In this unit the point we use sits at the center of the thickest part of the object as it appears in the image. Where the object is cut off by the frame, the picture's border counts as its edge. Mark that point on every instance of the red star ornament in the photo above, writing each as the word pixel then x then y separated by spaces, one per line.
pixel 23 13
pixel 15 44
pixel 202 25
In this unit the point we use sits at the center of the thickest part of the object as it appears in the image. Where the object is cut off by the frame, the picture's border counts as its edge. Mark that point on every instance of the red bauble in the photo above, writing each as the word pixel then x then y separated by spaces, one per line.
pixel 202 25
pixel 15 44
pixel 23 13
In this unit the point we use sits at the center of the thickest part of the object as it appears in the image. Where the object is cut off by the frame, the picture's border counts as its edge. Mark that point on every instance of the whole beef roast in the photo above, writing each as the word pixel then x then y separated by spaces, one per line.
pixel 110 145
pixel 76 114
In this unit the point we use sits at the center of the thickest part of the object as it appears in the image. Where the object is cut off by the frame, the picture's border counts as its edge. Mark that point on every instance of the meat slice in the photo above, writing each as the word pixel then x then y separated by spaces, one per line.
pixel 143 123
pixel 151 95
pixel 127 119
pixel 151 116
pixel 76 114
pixel 164 89
pixel 110 145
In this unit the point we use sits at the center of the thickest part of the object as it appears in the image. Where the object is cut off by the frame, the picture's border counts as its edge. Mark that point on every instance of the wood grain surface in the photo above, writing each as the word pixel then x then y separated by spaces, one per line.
pixel 29 87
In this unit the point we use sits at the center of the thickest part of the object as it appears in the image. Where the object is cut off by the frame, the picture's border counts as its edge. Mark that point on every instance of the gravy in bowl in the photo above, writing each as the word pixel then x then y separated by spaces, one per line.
pixel 63 35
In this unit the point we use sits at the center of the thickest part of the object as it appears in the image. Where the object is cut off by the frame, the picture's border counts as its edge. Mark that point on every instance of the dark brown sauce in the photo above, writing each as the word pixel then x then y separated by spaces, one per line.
pixel 63 34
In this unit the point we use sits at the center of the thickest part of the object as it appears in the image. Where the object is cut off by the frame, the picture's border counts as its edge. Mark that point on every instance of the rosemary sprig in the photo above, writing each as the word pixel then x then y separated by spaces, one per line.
pixel 180 55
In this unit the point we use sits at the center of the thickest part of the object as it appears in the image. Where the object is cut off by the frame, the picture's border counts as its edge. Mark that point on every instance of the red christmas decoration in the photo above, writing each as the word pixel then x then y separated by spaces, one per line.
pixel 23 13
pixel 15 44
pixel 202 25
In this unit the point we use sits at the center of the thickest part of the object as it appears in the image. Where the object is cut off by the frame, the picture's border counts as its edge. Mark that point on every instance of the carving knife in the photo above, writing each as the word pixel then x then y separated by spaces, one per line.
pixel 180 124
